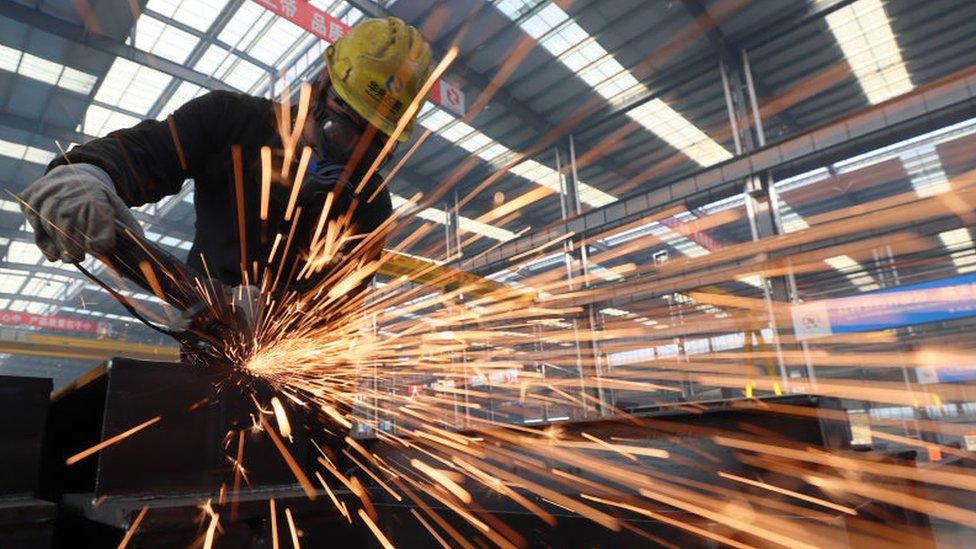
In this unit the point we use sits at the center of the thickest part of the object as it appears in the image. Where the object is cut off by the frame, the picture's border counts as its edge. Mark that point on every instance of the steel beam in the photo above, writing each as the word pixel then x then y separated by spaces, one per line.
pixel 38 127
pixel 63 346
pixel 947 100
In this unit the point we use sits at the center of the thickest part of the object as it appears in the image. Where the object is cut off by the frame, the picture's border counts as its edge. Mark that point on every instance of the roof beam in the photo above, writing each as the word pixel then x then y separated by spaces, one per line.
pixel 944 101
pixel 727 52
pixel 32 125
pixel 79 35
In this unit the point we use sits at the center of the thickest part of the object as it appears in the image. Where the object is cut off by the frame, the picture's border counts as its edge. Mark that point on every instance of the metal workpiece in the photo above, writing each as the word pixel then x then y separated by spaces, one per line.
pixel 26 519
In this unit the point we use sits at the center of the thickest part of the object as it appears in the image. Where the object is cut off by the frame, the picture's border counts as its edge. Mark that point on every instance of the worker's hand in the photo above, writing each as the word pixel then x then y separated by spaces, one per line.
pixel 73 209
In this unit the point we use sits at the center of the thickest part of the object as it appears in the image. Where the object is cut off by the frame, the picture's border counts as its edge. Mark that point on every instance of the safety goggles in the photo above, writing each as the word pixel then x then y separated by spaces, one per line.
pixel 341 130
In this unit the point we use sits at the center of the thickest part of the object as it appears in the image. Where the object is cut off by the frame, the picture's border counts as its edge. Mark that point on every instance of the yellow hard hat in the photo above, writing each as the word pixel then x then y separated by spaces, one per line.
pixel 377 68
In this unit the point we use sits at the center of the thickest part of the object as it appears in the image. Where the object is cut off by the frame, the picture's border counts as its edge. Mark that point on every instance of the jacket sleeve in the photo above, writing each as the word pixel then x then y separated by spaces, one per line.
pixel 153 158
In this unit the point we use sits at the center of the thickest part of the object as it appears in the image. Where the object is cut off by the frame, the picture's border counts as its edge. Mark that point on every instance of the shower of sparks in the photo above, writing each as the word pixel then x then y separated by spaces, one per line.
pixel 462 383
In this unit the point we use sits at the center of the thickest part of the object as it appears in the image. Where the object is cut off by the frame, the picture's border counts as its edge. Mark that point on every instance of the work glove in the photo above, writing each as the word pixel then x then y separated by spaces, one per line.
pixel 73 209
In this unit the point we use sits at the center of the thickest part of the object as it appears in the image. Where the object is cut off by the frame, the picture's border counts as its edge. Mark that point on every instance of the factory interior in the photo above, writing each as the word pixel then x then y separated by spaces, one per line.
pixel 487 273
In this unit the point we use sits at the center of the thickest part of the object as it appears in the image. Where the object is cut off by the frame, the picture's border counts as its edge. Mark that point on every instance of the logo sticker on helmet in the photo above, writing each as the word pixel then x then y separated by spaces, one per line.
pixel 394 84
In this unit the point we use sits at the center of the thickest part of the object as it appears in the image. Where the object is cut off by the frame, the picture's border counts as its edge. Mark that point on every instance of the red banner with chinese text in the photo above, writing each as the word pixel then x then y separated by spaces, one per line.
pixel 15 318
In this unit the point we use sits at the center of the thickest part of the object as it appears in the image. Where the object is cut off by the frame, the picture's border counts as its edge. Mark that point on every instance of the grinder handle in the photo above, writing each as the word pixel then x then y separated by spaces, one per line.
pixel 153 269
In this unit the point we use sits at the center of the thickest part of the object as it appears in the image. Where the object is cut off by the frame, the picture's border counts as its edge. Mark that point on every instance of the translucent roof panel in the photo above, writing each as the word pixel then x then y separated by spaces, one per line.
pixel 26 153
pixel 669 125
pixel 43 70
pixel 37 68
pixel 864 34
pixel 437 215
pixel 11 281
pixel 131 86
pixel 242 26
pixel 154 36
pixel 194 13
pixel 584 55
pixel 77 81
pixel 9 58
pixel 280 38
pixel 184 92
pixel 230 68
pixel 100 121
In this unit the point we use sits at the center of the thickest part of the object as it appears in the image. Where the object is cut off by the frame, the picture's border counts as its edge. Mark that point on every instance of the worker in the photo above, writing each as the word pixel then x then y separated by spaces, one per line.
pixel 372 75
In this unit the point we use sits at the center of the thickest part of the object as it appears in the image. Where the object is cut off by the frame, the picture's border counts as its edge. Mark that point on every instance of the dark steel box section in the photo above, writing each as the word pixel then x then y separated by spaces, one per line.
pixel 25 520
pixel 185 452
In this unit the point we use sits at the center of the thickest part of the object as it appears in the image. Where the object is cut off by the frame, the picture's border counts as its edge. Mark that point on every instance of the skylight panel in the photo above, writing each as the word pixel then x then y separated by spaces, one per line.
pixel 184 92
pixel 960 243
pixel 194 13
pixel 9 58
pixel 484 229
pixel 131 86
pixel 864 34
pixel 956 238
pixel 99 121
pixel 595 66
pixel 543 21
pixel 792 221
pixel 49 72
pixel 243 22
pixel 587 52
pixel 493 152
pixel 154 36
pixel 515 9
pixel 851 269
pixel 230 68
pixel 37 68
pixel 456 131
pixel 487 149
pixel 77 81
pixel 26 153
pixel 39 287
pixel 924 166
pixel 432 117
pixel 12 150
pixel 11 282
pixel 22 252
pixel 475 141
pixel 244 75
pixel 276 41
pixel 666 123
pixel 38 156
pixel 211 59
pixel 437 215
pixel 537 173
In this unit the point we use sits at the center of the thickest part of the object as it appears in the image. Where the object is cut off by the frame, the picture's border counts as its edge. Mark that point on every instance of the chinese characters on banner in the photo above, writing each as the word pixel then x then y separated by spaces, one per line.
pixel 330 28
pixel 14 318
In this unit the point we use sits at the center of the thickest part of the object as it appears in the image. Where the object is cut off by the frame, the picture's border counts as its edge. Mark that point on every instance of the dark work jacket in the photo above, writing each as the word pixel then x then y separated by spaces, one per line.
pixel 152 160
